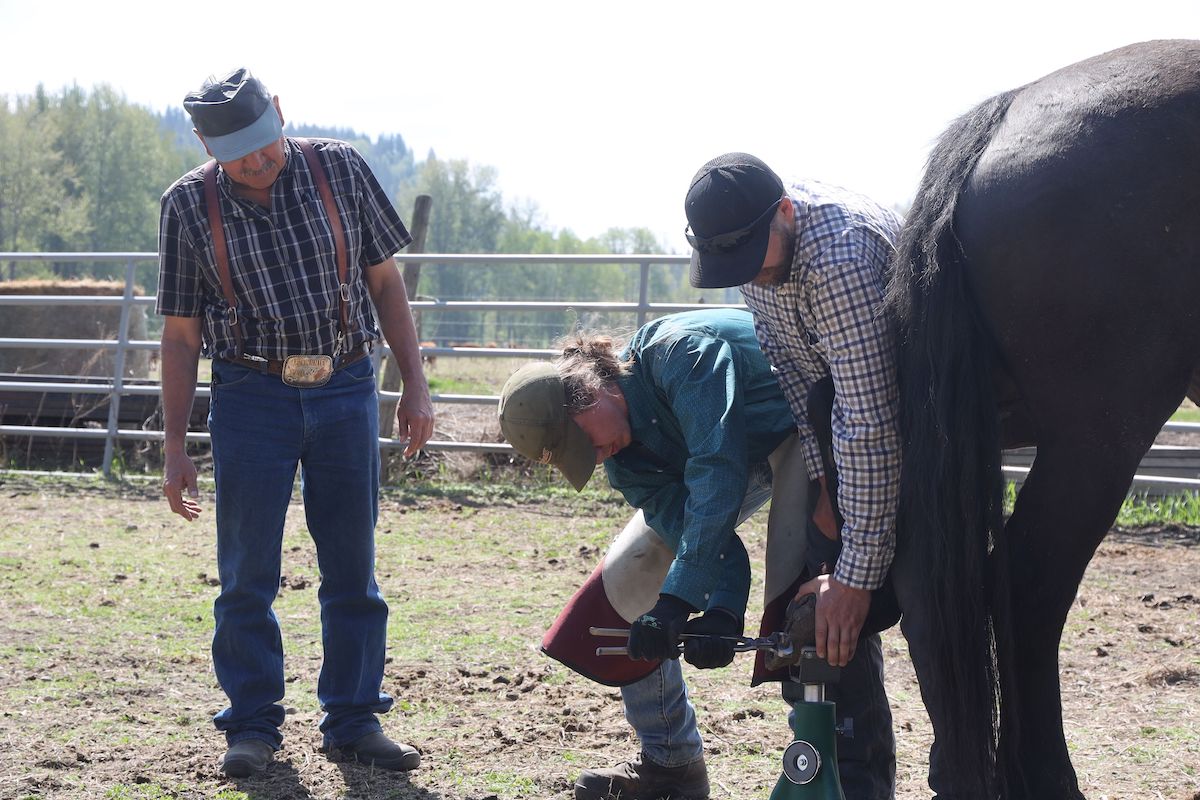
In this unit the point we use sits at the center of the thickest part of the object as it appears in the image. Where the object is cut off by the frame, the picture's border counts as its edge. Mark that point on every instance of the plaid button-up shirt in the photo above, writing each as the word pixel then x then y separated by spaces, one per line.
pixel 825 319
pixel 282 259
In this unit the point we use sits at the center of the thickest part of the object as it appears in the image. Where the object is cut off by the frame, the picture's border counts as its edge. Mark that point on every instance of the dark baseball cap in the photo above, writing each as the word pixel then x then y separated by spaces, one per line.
pixel 234 114
pixel 729 207
pixel 534 420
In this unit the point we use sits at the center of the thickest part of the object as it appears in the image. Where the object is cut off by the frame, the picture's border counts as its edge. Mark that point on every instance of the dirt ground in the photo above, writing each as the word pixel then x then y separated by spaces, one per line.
pixel 106 687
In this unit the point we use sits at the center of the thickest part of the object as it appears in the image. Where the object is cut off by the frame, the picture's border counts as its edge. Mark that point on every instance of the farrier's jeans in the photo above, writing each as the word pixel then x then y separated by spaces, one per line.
pixel 657 706
pixel 658 709
pixel 261 430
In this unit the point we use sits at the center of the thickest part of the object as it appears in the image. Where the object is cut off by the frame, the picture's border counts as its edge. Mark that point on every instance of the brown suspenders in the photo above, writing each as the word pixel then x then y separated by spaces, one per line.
pixel 339 237
pixel 212 201
pixel 219 247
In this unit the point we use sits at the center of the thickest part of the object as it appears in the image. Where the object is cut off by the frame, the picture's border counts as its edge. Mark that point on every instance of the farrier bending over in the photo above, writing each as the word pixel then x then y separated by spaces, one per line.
pixel 684 418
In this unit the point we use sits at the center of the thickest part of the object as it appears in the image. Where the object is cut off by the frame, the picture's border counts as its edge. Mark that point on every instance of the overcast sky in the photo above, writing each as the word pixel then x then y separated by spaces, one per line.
pixel 598 112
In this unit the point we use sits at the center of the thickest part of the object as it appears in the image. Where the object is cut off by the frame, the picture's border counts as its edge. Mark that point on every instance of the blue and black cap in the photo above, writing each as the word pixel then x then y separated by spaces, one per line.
pixel 234 114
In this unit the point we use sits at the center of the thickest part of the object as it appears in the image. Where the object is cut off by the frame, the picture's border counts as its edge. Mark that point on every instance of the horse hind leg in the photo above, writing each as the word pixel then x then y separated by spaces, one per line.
pixel 1065 507
pixel 1193 390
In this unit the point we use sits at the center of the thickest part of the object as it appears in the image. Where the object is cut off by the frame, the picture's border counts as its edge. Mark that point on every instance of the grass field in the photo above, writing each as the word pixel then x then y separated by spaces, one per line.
pixel 106 688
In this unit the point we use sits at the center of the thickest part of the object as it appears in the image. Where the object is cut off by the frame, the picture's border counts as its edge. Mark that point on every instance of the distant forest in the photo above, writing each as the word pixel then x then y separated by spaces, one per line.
pixel 83 171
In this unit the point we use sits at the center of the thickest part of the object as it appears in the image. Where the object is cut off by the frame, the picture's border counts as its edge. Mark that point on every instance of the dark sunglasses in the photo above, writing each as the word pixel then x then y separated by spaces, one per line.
pixel 724 242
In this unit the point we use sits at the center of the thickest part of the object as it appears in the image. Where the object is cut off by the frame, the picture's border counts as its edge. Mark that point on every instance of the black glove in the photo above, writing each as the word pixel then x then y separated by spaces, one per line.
pixel 654 635
pixel 711 653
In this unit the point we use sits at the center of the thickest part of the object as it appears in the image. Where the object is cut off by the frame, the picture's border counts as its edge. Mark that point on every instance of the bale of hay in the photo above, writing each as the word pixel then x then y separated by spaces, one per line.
pixel 69 322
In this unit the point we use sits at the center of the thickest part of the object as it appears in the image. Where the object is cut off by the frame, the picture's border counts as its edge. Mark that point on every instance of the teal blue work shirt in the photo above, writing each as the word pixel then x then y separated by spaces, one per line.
pixel 704 409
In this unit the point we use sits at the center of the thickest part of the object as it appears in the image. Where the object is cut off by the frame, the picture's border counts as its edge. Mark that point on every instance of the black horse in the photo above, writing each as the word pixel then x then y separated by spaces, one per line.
pixel 1047 292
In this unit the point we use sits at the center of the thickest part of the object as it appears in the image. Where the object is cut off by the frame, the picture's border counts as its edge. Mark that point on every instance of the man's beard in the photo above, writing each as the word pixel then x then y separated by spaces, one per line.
pixel 777 274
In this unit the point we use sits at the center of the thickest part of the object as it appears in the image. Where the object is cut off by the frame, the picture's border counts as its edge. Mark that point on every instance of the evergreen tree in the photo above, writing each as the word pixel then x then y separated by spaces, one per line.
pixel 39 210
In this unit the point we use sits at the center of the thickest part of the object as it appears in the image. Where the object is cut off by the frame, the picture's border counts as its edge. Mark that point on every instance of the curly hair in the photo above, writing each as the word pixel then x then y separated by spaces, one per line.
pixel 589 363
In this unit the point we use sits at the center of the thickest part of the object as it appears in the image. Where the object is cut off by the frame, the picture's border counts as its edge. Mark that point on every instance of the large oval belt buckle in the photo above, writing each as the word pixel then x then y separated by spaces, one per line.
pixel 307 372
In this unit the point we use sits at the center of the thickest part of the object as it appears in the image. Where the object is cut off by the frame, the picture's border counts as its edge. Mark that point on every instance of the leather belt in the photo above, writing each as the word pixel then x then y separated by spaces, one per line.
pixel 276 367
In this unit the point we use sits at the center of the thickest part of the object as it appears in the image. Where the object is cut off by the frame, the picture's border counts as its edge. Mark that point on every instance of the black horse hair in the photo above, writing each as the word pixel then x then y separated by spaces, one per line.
pixel 952 490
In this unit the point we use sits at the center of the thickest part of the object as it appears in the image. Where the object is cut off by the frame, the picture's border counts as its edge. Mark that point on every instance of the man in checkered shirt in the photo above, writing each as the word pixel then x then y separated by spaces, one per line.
pixel 811 260
pixel 292 386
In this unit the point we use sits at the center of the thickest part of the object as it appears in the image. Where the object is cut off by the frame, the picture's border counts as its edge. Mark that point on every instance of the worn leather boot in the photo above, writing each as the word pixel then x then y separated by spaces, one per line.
pixel 247 757
pixel 376 749
pixel 642 779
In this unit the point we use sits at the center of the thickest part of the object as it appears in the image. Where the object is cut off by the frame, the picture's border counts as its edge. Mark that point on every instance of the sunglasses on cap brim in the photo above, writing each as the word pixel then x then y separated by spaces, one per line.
pixel 724 242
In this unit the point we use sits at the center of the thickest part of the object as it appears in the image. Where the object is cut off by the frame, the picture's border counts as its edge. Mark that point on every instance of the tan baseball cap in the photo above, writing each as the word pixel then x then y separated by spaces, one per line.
pixel 534 420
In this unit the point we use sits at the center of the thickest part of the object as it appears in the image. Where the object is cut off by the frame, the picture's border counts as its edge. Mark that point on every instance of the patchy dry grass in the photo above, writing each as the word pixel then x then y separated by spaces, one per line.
pixel 106 687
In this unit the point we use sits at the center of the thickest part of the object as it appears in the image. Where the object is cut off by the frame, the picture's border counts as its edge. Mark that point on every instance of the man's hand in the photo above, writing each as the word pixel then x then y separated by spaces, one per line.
pixel 414 417
pixel 180 476
pixel 414 414
pixel 654 636
pixel 181 342
pixel 711 653
pixel 841 612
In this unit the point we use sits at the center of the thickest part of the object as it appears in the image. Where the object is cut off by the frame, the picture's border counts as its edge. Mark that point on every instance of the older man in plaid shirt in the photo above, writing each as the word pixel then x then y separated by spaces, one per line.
pixel 277 267
pixel 811 261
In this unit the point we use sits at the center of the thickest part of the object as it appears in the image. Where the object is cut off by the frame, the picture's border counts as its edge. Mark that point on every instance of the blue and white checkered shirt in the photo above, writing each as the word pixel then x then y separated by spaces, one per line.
pixel 282 259
pixel 824 319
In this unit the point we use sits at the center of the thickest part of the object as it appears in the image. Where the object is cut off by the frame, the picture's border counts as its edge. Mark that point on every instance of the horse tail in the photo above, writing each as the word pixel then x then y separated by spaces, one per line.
pixel 952 490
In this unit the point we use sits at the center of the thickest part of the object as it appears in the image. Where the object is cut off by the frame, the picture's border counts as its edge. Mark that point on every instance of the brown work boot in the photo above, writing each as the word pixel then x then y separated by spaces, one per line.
pixel 642 779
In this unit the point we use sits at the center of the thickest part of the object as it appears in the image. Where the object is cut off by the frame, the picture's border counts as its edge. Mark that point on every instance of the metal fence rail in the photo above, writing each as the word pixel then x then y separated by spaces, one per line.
pixel 115 388
pixel 1165 469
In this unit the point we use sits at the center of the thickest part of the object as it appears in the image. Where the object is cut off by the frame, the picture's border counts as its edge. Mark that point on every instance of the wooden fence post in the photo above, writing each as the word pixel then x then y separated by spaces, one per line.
pixel 390 380
pixel 420 229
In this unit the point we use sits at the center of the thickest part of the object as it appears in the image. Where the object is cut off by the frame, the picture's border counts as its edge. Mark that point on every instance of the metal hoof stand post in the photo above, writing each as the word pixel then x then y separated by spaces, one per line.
pixel 810 762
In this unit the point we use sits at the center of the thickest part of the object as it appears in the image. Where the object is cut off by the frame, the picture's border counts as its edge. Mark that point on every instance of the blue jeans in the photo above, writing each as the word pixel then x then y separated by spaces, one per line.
pixel 261 430
pixel 657 706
